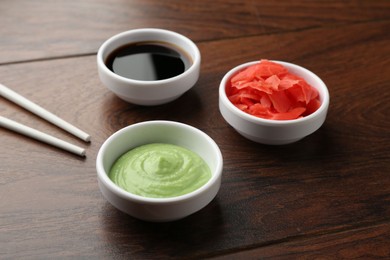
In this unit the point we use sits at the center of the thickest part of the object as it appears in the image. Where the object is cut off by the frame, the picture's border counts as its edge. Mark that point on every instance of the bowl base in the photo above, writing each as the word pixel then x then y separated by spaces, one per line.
pixel 147 102
pixel 268 141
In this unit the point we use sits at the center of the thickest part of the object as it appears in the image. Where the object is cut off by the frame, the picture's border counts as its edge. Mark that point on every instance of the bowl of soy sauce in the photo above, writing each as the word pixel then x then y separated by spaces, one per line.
pixel 148 66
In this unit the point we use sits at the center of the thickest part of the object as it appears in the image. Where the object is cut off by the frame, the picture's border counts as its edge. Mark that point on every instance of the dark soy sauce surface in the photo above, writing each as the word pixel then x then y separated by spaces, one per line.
pixel 148 61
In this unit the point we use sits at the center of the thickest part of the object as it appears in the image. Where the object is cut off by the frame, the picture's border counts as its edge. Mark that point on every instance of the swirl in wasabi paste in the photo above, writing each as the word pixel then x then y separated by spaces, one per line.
pixel 160 171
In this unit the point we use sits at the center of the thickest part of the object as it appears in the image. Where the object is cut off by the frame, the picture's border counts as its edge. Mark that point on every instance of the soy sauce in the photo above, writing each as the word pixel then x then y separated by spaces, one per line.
pixel 148 61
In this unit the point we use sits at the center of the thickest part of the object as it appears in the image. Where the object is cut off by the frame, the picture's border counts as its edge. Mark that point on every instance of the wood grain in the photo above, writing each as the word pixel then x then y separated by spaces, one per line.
pixel 326 196
pixel 360 243
pixel 46 29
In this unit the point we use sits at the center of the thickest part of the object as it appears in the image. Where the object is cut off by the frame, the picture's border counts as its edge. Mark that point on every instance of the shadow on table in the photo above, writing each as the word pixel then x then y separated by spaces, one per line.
pixel 116 112
pixel 129 236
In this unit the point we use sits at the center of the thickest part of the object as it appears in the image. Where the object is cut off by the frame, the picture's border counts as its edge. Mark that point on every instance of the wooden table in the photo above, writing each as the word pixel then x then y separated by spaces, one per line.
pixel 326 196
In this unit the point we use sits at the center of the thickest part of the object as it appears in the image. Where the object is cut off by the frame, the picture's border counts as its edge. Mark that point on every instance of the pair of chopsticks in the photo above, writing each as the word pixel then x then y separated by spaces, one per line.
pixel 48 116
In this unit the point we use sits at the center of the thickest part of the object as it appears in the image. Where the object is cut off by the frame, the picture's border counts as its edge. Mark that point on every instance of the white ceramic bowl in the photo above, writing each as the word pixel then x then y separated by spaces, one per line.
pixel 274 132
pixel 154 92
pixel 159 209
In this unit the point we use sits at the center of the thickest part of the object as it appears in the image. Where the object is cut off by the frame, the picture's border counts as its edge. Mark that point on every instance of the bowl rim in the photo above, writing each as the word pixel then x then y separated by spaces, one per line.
pixel 109 184
pixel 258 120
pixel 152 31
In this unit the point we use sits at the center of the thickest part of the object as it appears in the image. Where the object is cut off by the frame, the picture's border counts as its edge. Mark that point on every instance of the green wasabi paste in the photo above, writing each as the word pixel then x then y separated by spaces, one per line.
pixel 160 170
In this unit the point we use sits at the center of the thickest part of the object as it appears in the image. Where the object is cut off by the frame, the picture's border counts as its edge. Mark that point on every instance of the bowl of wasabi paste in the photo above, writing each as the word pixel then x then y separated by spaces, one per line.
pixel 159 171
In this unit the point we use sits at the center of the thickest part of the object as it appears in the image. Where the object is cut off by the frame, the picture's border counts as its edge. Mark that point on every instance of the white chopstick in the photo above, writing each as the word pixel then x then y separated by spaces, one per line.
pixel 38 135
pixel 38 110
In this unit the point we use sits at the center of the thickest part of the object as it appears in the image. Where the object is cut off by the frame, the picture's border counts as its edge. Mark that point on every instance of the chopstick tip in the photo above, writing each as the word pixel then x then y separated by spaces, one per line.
pixel 87 138
pixel 83 153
